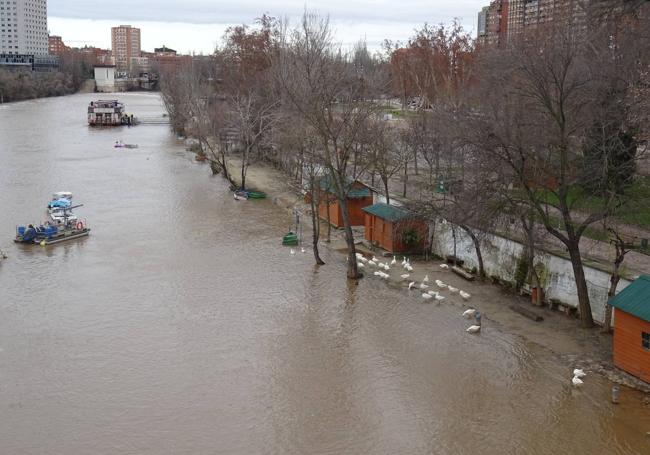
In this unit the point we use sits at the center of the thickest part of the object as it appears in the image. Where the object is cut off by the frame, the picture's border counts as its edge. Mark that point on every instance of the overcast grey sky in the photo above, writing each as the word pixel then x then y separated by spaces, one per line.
pixel 197 25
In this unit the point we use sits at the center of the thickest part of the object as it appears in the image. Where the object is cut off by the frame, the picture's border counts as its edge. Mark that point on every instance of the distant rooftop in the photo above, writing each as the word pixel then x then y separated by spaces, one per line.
pixel 164 49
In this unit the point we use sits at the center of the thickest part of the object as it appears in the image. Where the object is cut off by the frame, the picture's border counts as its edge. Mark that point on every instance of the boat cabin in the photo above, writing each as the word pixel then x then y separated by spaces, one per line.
pixel 106 113
pixel 632 328
pixel 395 229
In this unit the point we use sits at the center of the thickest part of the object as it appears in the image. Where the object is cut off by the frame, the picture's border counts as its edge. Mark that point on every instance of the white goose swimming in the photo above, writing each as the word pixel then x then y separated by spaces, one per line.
pixel 424 286
pixel 452 289
pixel 427 296
pixel 444 266
pixel 576 381
pixel 292 251
pixel 465 295
pixel 473 329
pixel 411 284
pixel 469 314
pixel 439 297
pixel 579 373
pixel 426 278
pixel 405 276
pixel 394 261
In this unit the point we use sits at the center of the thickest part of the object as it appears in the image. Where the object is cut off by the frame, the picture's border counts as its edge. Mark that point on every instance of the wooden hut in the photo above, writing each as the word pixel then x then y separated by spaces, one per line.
pixel 358 197
pixel 395 229
pixel 632 328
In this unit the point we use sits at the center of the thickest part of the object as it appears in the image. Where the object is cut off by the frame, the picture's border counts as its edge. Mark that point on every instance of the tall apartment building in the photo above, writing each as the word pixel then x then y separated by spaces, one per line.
pixel 23 27
pixel 497 23
pixel 507 19
pixel 482 24
pixel 125 43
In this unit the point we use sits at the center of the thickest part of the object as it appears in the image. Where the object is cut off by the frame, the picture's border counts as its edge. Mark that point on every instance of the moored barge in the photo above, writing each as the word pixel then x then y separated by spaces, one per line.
pixel 106 113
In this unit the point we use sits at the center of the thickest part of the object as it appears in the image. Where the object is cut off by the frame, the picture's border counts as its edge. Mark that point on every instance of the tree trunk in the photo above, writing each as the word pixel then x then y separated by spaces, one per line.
pixel 581 285
pixel 384 180
pixel 406 177
pixel 477 248
pixel 329 219
pixel 243 169
pixel 621 251
pixel 315 223
pixel 453 234
pixel 613 284
pixel 353 272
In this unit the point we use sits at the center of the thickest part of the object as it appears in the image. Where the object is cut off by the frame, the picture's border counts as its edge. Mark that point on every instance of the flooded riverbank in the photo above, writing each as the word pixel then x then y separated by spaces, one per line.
pixel 181 326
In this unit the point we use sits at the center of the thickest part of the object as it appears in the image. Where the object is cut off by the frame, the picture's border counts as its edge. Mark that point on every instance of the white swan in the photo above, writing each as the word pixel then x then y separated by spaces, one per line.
pixel 444 266
pixel 411 284
pixel 469 314
pixel 473 329
pixel 423 286
pixel 426 278
pixel 579 373
pixel 427 296
pixel 452 289
pixel 465 295
pixel 577 381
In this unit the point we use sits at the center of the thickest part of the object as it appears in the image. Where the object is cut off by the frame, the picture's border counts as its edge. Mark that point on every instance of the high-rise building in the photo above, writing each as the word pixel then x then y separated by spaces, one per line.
pixel 482 24
pixel 23 27
pixel 496 23
pixel 125 42
pixel 507 19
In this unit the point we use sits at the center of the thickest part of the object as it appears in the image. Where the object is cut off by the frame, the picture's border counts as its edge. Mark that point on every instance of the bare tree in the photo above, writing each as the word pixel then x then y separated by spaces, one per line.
pixel 321 83
pixel 539 106
pixel 621 248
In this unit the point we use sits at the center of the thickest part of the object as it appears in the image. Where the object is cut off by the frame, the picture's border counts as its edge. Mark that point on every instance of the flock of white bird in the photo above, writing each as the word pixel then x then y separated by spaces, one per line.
pixel 362 262
pixel 423 286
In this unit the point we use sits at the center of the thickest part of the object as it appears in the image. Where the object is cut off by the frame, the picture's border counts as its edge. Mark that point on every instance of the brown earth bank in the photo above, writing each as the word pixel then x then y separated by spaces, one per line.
pixel 562 335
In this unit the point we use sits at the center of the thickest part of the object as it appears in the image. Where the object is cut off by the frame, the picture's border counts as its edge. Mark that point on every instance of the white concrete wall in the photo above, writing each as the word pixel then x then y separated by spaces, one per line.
pixel 500 256
pixel 105 79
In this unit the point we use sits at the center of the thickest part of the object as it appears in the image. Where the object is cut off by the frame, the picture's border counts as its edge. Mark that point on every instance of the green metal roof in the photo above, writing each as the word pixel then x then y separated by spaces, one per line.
pixel 327 185
pixel 634 299
pixel 388 212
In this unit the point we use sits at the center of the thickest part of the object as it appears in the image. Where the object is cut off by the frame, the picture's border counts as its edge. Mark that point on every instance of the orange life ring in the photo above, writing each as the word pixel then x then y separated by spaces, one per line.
pixel 79 225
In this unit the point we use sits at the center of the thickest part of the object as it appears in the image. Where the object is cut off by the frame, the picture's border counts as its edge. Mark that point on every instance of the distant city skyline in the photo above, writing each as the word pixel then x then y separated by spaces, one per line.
pixel 198 25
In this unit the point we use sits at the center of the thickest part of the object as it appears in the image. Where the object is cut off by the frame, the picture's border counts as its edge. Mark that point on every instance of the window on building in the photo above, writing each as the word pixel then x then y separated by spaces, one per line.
pixel 645 340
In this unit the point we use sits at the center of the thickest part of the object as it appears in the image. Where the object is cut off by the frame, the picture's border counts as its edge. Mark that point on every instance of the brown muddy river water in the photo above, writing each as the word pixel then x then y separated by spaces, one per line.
pixel 180 326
